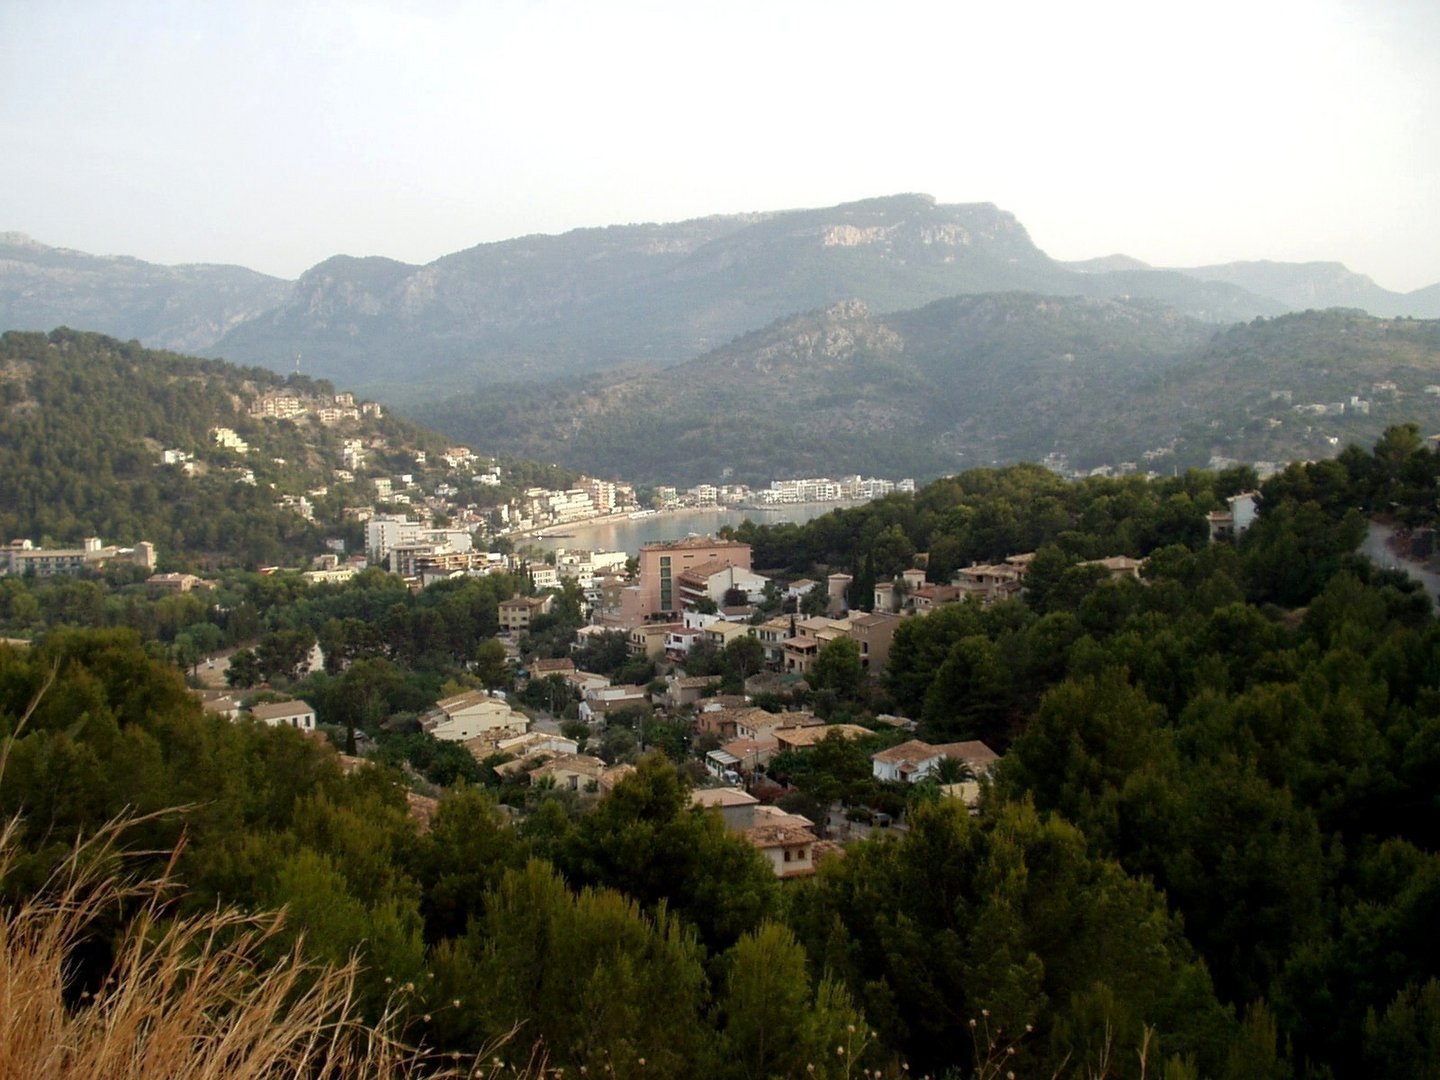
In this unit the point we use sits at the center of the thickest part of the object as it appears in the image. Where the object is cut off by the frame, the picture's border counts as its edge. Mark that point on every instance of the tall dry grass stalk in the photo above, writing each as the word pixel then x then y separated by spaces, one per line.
pixel 186 997
pixel 189 998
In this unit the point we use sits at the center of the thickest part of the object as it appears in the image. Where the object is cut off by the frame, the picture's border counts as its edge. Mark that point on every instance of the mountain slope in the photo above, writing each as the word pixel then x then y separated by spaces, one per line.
pixel 1319 285
pixel 539 307
pixel 844 390
pixel 173 307
pixel 84 420
pixel 974 380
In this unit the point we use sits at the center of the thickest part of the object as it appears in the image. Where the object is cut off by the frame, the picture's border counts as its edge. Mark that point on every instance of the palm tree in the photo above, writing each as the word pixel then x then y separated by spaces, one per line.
pixel 949 770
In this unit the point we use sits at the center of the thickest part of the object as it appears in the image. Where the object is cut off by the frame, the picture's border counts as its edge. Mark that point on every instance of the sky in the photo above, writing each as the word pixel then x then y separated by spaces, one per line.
pixel 274 135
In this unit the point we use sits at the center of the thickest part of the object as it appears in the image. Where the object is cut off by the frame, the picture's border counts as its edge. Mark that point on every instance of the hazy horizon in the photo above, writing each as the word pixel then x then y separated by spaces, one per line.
pixel 274 137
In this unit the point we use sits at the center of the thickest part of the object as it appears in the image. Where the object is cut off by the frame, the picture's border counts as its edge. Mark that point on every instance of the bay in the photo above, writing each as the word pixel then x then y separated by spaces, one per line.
pixel 630 534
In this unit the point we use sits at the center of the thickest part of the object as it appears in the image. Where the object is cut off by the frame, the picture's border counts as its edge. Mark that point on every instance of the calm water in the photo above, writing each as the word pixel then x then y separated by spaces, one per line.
pixel 628 536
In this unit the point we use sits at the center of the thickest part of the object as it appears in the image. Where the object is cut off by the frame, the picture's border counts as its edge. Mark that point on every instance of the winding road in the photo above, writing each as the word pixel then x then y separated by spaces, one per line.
pixel 1376 546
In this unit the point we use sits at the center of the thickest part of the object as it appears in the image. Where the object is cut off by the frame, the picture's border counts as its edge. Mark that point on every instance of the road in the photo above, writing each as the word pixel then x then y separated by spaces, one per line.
pixel 1376 547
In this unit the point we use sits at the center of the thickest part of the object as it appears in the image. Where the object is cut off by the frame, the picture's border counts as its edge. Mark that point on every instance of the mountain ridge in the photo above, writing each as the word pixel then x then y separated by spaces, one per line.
pixel 544 306
pixel 977 380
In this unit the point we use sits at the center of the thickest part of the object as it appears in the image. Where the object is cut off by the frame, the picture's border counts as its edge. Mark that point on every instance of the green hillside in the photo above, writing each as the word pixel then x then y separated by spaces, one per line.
pixel 83 421
pixel 980 380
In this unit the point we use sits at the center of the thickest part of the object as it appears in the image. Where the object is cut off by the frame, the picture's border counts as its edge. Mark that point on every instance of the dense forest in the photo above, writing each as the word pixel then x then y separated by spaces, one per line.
pixel 1209 850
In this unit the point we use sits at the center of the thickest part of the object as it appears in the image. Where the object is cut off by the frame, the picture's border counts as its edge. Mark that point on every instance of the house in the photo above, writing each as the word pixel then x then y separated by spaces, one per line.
pixel 732 804
pixel 524 750
pixel 810 636
pixel 606 699
pixel 803 738
pixel 1119 566
pixel 680 639
pixel 913 761
pixel 681 692
pixel 756 723
pixel 930 597
pixel 718 720
pixel 219 702
pixel 23 557
pixel 582 682
pixel 544 668
pixel 473 715
pixel 873 633
pixel 571 772
pixel 517 614
pixel 649 640
pixel 743 753
pixel 991 583
pixel 797 590
pixel 787 841
pixel 712 580
pixel 720 633
pixel 1232 522
pixel 532 743
pixel 175 583
pixel 581 773
pixel 293 714
pixel 772 635
pixel 788 848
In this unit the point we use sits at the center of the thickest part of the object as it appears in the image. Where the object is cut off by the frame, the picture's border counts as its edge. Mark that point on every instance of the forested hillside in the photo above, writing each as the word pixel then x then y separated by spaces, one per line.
pixel 980 380
pixel 84 420
pixel 1209 850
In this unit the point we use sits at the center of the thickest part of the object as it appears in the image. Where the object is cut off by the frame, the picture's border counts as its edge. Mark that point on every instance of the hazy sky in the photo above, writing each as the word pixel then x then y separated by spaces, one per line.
pixel 277 134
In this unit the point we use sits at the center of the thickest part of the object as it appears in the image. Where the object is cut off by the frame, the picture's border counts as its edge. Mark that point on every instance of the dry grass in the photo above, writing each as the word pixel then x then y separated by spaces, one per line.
pixel 187 997
pixel 195 997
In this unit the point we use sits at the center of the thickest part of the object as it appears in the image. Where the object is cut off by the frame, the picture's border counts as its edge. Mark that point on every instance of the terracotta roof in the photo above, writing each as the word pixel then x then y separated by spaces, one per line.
pixel 576 763
pixel 974 753
pixel 274 710
pixel 743 748
pixel 772 836
pixel 703 571
pixel 465 700
pixel 730 703
pixel 721 796
pixel 811 734
pixel 761 720
pixel 523 602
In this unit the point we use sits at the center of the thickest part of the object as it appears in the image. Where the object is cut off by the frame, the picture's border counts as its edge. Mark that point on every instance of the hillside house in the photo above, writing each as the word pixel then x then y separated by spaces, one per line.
pixel 293 714
pixel 913 761
pixel 517 614
pixel 473 715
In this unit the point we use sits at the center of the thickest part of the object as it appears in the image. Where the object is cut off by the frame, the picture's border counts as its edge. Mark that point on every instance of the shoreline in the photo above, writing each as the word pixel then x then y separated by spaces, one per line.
pixel 538 533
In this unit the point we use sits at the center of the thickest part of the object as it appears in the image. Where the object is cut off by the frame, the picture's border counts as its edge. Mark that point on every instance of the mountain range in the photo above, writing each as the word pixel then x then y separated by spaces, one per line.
pixel 540 307
pixel 978 380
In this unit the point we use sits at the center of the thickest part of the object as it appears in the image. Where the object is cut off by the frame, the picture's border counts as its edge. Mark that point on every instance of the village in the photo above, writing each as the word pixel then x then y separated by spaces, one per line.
pixel 669 601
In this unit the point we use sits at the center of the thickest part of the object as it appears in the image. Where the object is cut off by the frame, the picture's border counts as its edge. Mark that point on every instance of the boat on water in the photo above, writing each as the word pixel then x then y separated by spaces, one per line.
pixel 635 514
